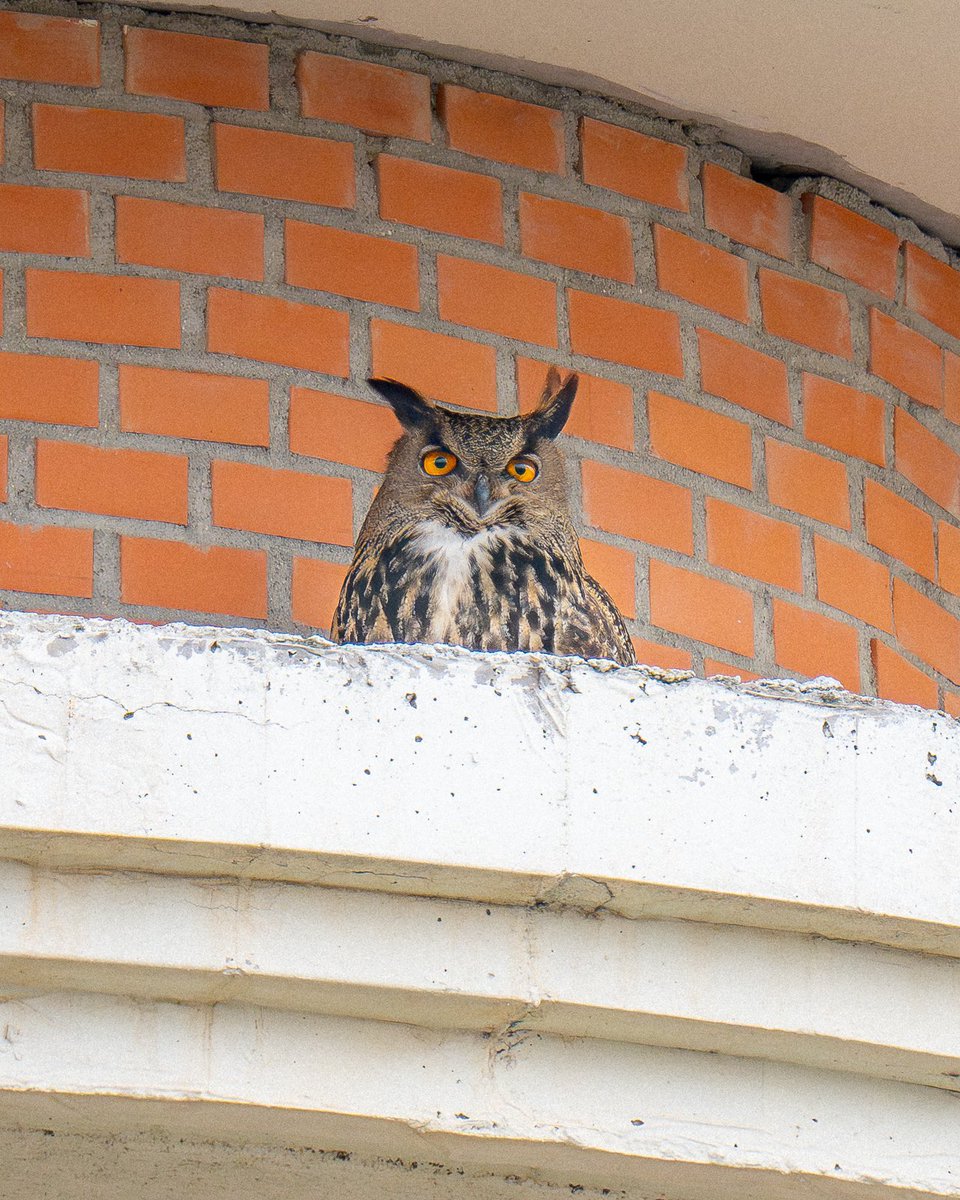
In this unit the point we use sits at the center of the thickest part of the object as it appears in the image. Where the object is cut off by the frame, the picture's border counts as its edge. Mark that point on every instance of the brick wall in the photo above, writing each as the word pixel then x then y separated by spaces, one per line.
pixel 211 233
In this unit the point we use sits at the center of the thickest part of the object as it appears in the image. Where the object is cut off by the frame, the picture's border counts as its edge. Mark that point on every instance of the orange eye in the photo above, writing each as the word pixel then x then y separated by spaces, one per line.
pixel 438 462
pixel 525 470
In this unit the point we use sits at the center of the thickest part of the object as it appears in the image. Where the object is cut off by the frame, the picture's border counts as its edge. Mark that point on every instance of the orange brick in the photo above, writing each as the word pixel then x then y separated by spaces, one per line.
pixel 199 407
pixel 316 508
pixel 352 264
pixel 844 419
pixel 41 220
pixel 812 645
pixel 461 203
pixel 900 680
pixel 704 609
pixel 806 313
pixel 108 309
pixel 754 545
pixel 497 300
pixel 44 49
pixel 744 376
pixel 315 591
pixel 602 411
pixel 933 289
pixel 620 331
pixel 287 166
pixel 183 237
pixel 46 560
pixel 215 72
pixel 926 461
pixel 948 539
pixel 637 507
pixel 852 246
pixel 100 141
pixel 808 483
pixel 951 703
pixel 927 630
pixel 510 131
pixel 4 451
pixel 747 212
pixel 700 440
pixel 655 654
pixel 117 483
pixel 701 273
pixel 615 569
pixel 714 666
pixel 898 528
pixel 3 114
pixel 181 577
pixel 582 239
pixel 55 391
pixel 444 368
pixel 367 95
pixel 341 430
pixel 951 386
pixel 853 583
pixel 633 164
pixel 268 329
pixel 906 359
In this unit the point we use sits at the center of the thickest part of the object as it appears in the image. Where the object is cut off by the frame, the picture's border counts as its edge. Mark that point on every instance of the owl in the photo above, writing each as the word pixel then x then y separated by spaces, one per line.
pixel 469 541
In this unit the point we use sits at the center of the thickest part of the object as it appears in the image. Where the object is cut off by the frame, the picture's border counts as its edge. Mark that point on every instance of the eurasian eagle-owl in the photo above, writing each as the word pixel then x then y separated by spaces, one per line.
pixel 469 541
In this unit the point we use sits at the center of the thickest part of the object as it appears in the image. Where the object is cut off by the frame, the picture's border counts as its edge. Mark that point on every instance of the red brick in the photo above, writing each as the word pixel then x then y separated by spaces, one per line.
pixel 812 645
pixel 500 301
pixel 615 569
pixel 900 680
pixel 624 332
pixel 55 391
pixel 634 164
pixel 948 541
pixel 268 329
pixel 315 508
pixel 637 507
pixel 927 630
pixel 744 376
pixel 3 114
pixel 933 289
pixel 199 407
pixel 581 239
pixel 43 49
pixel 101 141
pixel 805 313
pixel 178 576
pixel 654 654
pixel 898 528
pixel 754 545
pixel 951 386
pixel 701 273
pixel 341 430
pixel 602 411
pixel 704 609
pixel 855 584
pixel 747 212
pixel 714 666
pixel 844 419
pixel 808 483
pixel 183 237
pixel 852 246
pixel 326 259
pixel 46 560
pixel 926 461
pixel 108 309
pixel 461 203
pixel 509 131
pixel 369 96
pixel 287 166
pixel 215 72
pixel 42 220
pixel 700 440
pixel 444 368
pixel 117 483
pixel 315 591
pixel 906 359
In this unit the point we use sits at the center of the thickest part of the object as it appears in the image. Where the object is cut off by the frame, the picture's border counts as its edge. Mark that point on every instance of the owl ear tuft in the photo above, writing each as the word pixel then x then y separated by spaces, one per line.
pixel 550 415
pixel 413 410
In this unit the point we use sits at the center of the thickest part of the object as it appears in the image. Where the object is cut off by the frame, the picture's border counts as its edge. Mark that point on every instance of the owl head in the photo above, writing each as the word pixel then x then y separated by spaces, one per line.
pixel 474 473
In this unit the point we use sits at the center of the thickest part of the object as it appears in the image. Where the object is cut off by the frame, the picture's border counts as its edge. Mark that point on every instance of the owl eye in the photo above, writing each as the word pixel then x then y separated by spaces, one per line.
pixel 523 469
pixel 438 462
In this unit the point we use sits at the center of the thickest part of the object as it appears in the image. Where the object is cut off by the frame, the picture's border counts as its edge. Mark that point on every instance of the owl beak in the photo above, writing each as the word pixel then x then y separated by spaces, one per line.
pixel 481 494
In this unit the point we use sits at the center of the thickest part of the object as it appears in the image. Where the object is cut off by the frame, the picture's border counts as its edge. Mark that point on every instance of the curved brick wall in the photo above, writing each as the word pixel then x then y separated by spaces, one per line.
pixel 210 233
